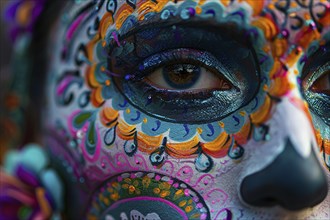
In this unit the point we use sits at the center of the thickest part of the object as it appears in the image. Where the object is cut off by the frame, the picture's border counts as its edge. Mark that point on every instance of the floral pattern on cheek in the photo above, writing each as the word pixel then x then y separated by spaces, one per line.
pixel 154 189
pixel 104 114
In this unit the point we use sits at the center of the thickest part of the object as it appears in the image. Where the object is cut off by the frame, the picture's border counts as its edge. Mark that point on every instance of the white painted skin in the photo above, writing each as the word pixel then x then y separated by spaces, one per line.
pixel 287 121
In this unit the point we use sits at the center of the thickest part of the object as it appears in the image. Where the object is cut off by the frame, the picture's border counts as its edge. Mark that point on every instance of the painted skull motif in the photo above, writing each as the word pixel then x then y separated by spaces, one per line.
pixel 205 109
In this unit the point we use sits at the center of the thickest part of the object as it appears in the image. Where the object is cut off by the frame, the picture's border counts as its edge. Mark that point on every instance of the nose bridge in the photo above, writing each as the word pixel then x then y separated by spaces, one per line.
pixel 294 179
pixel 296 124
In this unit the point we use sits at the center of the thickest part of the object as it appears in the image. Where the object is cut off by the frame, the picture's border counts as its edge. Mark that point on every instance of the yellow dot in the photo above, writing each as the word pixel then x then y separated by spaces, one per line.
pixel 106 201
pixel 182 203
pixel 114 196
pixel 271 6
pixel 242 113
pixel 199 130
pixel 164 194
pixel 145 120
pixel 222 124
pixel 266 48
pixel 265 87
pixel 128 110
pixel 295 71
pixel 102 68
pixel 198 10
pixel 307 16
pixel 156 190
pixel 104 43
pixel 293 14
pixel 107 82
pixel 23 13
pixel 293 4
pixel 188 209
pixel 131 188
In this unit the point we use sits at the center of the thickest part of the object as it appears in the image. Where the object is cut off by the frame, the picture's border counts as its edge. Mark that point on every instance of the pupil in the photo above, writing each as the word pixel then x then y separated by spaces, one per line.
pixel 181 76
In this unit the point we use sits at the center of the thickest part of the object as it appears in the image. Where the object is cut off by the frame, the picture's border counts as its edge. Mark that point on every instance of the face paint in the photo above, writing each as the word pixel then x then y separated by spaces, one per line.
pixel 183 106
pixel 242 149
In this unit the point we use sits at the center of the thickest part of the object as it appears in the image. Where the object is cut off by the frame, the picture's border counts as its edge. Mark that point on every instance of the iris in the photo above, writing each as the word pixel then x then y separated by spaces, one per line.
pixel 181 76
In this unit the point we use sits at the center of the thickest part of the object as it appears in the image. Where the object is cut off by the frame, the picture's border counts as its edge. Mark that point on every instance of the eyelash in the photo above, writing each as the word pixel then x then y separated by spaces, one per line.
pixel 177 56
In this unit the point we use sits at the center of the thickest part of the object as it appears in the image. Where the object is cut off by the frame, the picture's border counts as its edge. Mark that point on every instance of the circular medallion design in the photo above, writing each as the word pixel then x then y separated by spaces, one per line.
pixel 141 195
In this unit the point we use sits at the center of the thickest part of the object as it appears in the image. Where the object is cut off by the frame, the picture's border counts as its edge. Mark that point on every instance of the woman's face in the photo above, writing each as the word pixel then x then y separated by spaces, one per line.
pixel 210 109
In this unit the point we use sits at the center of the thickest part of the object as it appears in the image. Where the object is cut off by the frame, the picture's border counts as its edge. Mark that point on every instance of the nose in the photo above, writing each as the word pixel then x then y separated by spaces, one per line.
pixel 291 181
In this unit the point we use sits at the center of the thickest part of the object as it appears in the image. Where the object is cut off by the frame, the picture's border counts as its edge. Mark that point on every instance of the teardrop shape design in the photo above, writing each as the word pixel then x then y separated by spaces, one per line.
pixel 203 163
pixel 112 6
pixel 260 133
pixel 84 99
pixel 110 136
pixel 64 94
pixel 130 148
pixel 235 151
pixel 81 55
pixel 158 156
pixel 80 119
pixel 91 139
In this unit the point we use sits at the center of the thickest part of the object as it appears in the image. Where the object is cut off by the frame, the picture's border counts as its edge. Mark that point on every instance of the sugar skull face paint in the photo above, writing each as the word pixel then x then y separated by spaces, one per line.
pixel 191 109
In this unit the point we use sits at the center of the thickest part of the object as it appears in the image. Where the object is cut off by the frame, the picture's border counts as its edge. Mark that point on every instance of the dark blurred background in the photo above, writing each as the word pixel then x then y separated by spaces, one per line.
pixel 5 52
pixel 5 57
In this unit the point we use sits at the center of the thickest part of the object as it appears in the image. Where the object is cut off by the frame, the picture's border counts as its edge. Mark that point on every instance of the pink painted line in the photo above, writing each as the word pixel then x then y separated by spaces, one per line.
pixel 74 26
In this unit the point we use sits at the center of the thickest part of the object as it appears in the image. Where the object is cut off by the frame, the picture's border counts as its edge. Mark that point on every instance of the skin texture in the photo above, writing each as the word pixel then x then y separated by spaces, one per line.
pixel 126 147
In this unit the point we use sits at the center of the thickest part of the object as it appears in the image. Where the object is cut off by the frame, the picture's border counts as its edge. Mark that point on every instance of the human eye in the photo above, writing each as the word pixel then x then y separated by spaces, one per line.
pixel 185 74
pixel 316 82
pixel 185 71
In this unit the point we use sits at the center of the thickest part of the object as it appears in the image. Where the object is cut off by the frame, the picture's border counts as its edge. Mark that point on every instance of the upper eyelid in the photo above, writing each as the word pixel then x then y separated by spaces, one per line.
pixel 216 67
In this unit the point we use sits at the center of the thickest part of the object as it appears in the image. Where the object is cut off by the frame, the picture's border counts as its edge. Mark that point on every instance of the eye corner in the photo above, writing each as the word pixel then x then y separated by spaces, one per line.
pixel 322 84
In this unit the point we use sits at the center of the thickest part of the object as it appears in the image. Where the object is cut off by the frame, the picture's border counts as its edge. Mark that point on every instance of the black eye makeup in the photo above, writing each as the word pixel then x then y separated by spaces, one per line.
pixel 316 82
pixel 193 72
pixel 186 70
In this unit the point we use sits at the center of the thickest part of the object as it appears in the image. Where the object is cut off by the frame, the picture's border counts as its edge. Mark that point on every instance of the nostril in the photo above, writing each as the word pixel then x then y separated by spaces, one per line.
pixel 291 181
